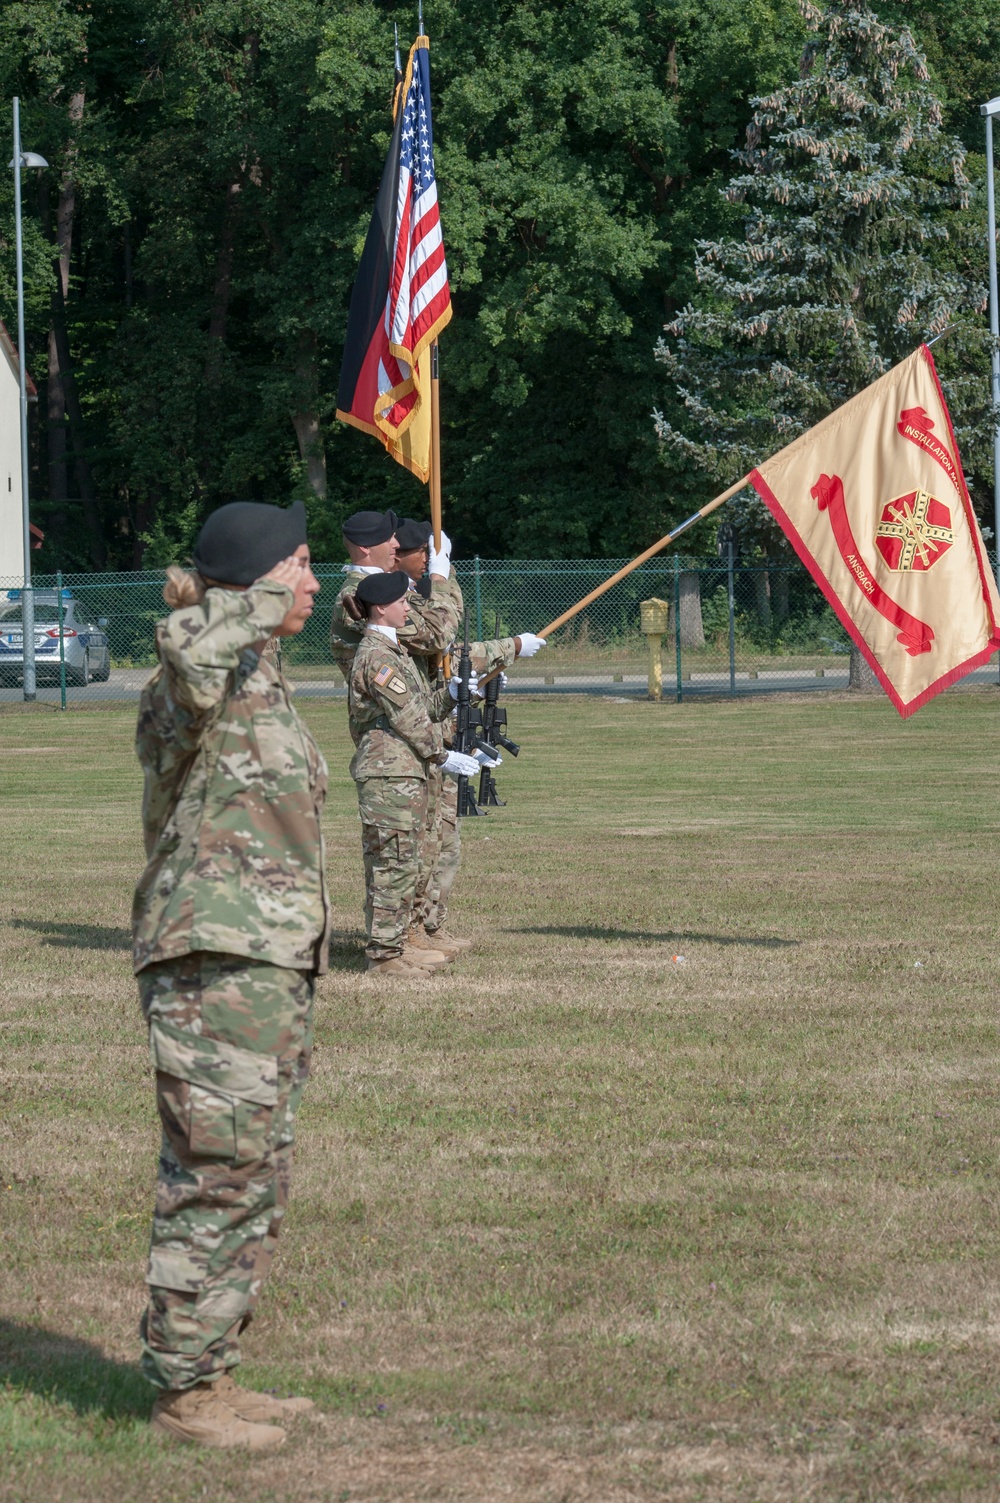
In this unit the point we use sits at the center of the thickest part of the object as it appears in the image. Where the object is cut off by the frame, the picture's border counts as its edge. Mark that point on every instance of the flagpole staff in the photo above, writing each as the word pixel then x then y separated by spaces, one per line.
pixel 435 447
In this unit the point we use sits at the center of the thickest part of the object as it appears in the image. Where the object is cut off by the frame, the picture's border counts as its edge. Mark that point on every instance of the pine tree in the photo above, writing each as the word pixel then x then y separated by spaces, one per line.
pixel 853 250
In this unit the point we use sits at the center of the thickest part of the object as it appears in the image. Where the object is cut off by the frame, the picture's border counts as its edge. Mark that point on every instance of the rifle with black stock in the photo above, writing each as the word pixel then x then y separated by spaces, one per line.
pixel 494 718
pixel 468 726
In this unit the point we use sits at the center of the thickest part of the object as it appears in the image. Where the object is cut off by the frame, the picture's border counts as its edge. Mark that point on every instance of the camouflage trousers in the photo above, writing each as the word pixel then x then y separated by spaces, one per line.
pixel 230 1040
pixel 393 818
pixel 430 845
pixel 448 856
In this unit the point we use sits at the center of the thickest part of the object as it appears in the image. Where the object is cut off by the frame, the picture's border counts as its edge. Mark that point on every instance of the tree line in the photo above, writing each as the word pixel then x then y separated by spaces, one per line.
pixel 607 174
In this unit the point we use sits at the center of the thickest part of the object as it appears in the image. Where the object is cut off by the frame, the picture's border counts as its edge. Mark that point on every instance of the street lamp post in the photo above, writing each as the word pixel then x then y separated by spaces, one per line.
pixel 989 110
pixel 24 159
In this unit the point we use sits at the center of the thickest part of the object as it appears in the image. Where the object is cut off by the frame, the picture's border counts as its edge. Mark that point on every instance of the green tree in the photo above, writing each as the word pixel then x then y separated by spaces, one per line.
pixel 961 43
pixel 854 246
pixel 574 144
pixel 214 165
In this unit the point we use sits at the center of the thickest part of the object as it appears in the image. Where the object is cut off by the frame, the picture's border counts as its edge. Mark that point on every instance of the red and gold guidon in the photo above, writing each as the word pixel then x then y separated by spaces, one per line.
pixel 874 502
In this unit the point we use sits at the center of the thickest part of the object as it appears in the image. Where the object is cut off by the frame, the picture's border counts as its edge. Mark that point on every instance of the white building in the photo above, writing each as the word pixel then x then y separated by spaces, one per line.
pixel 11 529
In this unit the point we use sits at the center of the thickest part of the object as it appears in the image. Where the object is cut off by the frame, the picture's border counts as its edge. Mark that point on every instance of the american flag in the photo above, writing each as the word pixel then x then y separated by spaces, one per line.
pixel 418 304
pixel 400 300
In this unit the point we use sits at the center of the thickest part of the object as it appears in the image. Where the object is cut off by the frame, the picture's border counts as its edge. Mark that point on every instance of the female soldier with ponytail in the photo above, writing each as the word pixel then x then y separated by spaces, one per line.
pixel 231 927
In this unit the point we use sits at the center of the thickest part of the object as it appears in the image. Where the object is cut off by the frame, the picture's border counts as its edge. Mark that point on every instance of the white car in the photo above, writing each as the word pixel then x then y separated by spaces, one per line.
pixel 85 643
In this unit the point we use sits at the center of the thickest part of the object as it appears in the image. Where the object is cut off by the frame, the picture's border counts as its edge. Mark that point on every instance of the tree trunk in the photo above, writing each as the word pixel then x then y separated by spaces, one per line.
pixel 862 680
pixel 66 212
pixel 223 284
pixel 59 376
pixel 55 429
pixel 779 593
pixel 84 479
pixel 145 515
pixel 762 595
pixel 127 255
pixel 305 420
pixel 692 626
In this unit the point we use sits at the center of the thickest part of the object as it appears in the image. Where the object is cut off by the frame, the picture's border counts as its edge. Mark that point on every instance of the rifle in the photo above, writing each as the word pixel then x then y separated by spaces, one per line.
pixel 494 719
pixel 468 726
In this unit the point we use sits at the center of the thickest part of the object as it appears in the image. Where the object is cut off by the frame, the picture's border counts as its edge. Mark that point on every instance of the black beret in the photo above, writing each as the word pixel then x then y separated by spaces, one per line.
pixel 381 589
pixel 245 539
pixel 366 529
pixel 411 535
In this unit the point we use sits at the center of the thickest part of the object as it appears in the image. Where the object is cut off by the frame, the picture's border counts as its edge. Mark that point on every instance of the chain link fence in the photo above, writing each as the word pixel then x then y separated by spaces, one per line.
pixel 731 626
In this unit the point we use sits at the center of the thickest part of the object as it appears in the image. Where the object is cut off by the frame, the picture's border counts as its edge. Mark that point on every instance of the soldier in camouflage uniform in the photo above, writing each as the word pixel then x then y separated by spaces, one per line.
pixel 440 850
pixel 430 623
pixel 395 723
pixel 231 926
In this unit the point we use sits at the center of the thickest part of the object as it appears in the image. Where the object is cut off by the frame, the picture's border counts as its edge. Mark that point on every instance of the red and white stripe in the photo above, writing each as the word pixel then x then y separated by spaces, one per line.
pixel 419 294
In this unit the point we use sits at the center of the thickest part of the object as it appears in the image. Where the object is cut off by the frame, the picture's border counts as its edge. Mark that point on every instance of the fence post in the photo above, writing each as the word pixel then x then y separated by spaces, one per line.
pixel 677 624
pixel 732 622
pixel 479 597
pixel 62 645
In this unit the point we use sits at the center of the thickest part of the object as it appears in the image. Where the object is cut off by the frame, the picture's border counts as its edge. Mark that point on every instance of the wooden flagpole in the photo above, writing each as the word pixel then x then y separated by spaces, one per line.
pixel 435 481
pixel 664 542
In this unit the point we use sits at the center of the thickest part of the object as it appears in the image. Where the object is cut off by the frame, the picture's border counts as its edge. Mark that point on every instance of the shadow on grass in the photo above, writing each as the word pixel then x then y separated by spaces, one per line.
pixel 66 1370
pixel 667 936
pixel 77 936
pixel 347 950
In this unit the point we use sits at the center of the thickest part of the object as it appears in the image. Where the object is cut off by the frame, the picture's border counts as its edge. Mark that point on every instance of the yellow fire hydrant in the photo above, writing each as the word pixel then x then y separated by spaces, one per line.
pixel 654 615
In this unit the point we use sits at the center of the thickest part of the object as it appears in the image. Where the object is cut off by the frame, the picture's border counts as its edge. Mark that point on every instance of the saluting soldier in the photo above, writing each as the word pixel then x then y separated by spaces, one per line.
pixel 231 927
pixel 441 845
pixel 369 537
pixel 396 725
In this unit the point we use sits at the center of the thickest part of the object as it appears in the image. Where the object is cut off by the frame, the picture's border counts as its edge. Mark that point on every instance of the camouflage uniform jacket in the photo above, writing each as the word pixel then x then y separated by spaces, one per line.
pixel 393 713
pixel 234 787
pixel 430 625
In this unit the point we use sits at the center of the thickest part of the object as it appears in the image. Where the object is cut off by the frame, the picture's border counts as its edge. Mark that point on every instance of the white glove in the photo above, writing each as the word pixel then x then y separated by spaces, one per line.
pixel 473 686
pixel 485 761
pixel 503 680
pixel 530 644
pixel 459 765
pixel 440 562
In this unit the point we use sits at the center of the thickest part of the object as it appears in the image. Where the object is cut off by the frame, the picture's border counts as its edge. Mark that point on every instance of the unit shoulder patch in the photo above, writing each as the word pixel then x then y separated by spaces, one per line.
pixel 397 685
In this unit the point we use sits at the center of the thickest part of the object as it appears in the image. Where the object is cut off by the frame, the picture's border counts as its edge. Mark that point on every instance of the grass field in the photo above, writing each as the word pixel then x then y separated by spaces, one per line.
pixel 578 1223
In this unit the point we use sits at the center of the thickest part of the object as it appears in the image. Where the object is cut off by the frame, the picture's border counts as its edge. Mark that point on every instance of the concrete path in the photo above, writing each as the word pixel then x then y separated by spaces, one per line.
pixel 125 685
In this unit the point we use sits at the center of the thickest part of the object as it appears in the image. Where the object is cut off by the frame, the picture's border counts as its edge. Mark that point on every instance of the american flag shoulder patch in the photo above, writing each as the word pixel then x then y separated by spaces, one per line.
pixel 384 674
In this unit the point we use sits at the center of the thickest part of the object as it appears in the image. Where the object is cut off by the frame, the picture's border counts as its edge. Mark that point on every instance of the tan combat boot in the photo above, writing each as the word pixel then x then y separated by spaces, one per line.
pixel 198 1415
pixel 417 939
pixel 400 965
pixel 441 939
pixel 258 1408
pixel 426 960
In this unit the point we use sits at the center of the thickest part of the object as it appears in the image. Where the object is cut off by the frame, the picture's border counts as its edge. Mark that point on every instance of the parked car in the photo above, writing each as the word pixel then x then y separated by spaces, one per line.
pixel 85 642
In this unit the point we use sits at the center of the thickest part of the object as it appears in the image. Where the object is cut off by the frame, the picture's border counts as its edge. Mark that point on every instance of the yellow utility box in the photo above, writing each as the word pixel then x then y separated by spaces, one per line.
pixel 654 615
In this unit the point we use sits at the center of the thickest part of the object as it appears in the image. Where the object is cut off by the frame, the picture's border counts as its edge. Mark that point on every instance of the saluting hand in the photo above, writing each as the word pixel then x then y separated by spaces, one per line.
pixel 288 572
